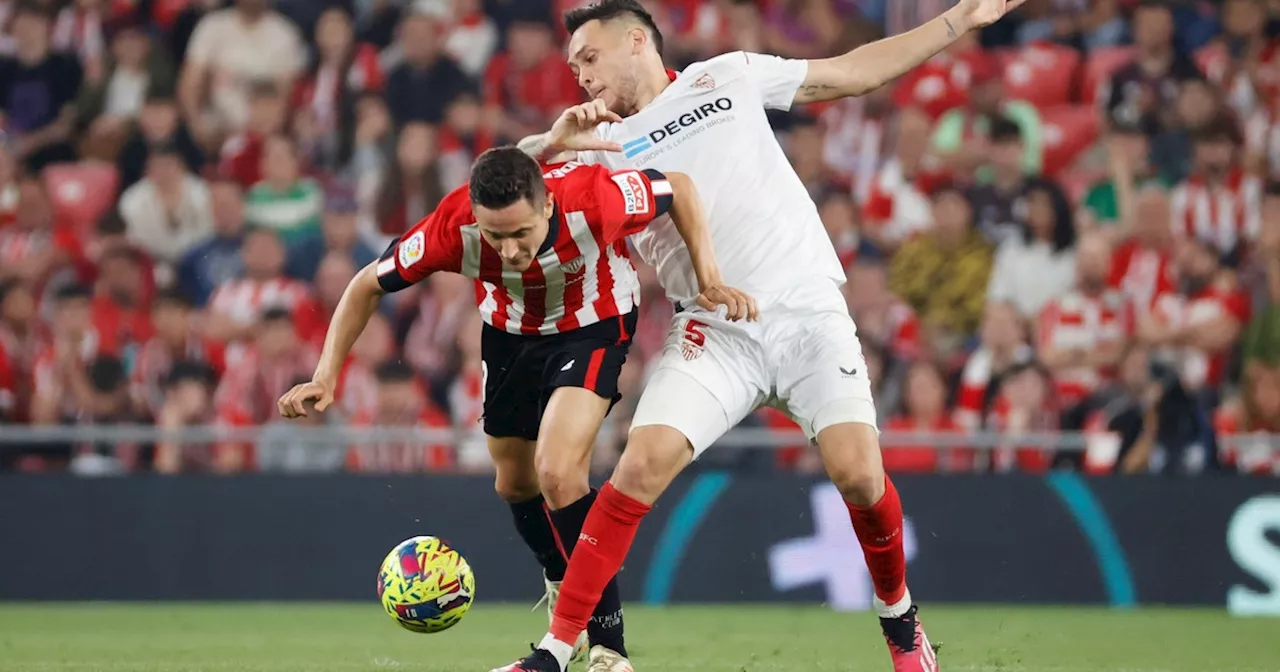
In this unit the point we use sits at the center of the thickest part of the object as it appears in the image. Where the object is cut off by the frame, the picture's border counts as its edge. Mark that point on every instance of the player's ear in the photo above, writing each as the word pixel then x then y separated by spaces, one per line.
pixel 549 206
pixel 638 39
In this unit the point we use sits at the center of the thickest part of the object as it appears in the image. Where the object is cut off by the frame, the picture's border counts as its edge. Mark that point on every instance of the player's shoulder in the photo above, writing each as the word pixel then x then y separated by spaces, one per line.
pixel 733 60
pixel 575 184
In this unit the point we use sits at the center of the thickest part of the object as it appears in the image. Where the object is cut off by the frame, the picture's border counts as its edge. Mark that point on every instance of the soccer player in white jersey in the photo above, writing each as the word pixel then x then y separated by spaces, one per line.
pixel 803 354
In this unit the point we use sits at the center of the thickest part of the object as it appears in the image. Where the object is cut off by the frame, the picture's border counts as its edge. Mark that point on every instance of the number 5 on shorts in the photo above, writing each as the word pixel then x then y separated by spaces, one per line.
pixel 694 339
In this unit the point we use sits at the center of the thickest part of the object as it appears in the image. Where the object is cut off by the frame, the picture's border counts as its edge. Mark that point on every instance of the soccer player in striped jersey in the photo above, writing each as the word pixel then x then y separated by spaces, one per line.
pixel 558 294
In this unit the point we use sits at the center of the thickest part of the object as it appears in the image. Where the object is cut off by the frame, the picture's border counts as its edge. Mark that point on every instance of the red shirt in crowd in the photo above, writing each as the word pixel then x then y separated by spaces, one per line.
pixel 241 158
pixel 942 83
pixel 1141 273
pixel 531 96
pixel 154 361
pixel 400 457
pixel 245 299
pixel 1216 302
pixel 1225 215
pixel 1079 321
pixel 925 459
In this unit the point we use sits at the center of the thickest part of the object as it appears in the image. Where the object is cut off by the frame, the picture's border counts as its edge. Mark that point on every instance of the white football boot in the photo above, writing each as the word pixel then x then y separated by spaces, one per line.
pixel 607 660
pixel 551 597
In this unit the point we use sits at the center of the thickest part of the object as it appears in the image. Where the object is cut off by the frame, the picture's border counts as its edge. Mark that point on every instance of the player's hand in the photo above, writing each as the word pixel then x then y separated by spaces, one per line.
pixel 979 13
pixel 739 303
pixel 294 402
pixel 575 130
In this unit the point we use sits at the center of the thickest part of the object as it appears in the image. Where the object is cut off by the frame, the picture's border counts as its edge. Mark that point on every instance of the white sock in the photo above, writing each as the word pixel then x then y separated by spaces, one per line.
pixel 561 650
pixel 894 610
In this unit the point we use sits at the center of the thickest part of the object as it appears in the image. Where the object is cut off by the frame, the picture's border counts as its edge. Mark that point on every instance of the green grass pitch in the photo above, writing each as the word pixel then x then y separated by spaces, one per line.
pixel 739 638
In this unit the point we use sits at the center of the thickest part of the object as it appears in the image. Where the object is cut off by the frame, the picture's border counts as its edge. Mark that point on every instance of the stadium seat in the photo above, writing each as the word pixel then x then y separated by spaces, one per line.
pixel 1098 68
pixel 81 193
pixel 1068 131
pixel 1041 74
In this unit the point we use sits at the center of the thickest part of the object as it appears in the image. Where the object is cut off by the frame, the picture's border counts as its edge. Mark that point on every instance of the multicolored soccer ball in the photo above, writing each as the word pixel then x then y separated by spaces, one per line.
pixel 425 585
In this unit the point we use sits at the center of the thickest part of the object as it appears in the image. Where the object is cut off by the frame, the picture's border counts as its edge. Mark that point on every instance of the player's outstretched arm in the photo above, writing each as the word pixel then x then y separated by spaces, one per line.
pixel 690 220
pixel 573 131
pixel 870 66
pixel 352 315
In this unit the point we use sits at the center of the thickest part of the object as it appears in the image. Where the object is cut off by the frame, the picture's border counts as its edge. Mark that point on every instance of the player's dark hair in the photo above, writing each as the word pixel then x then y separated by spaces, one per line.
pixel 504 176
pixel 608 10
pixel 1221 129
pixel 187 370
pixel 72 292
pixel 1004 130
pixel 395 371
pixel 106 373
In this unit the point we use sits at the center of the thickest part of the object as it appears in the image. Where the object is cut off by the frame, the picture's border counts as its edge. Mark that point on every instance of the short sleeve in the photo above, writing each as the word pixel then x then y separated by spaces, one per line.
pixel 200 49
pixel 777 78
pixel 433 244
pixel 630 199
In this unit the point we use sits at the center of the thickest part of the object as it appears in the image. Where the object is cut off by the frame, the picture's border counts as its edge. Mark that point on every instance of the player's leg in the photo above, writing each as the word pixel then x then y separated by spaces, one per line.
pixel 516 483
pixel 688 404
pixel 828 392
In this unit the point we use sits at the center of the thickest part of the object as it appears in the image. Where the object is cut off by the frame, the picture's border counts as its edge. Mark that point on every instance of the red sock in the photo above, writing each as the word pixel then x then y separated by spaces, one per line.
pixel 606 537
pixel 879 530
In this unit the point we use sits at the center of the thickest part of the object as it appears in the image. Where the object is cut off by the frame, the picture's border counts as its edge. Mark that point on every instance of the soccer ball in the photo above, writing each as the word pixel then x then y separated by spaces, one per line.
pixel 425 585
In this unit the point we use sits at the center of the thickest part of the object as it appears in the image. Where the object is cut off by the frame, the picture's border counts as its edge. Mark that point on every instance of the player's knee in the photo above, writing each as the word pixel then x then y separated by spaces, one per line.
pixel 653 457
pixel 515 488
pixel 563 479
pixel 851 454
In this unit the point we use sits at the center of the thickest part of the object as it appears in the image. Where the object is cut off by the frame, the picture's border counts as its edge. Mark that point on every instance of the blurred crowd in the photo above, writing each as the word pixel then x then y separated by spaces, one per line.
pixel 1070 221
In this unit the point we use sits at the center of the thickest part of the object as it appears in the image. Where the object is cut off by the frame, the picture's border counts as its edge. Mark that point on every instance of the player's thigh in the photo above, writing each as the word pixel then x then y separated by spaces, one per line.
pixel 822 375
pixel 511 384
pixel 515 478
pixel 711 375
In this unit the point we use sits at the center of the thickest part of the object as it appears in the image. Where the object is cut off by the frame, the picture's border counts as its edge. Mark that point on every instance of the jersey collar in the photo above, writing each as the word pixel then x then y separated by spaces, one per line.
pixel 553 231
pixel 672 74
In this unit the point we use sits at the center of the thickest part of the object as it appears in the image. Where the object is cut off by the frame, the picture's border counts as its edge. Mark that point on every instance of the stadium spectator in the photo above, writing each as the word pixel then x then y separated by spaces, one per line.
pixel 338 234
pixel 1198 108
pixel 175 341
pixel 168 212
pixel 187 402
pixel 943 82
pixel 883 319
pixel 858 137
pixel 529 84
pixel 264 370
pixel 1244 422
pixel 466 397
pixel 1195 328
pixel 963 137
pixel 333 274
pixel 32 248
pixel 60 382
pixel 803 148
pixel 473 37
pixel 121 297
pixel 401 403
pixel 236 306
pixel 242 153
pixel 430 345
pixel 1261 339
pixel 1040 264
pixel 1084 333
pixel 38 91
pixel 1003 347
pixel 462 138
pixel 1162 428
pixel 1142 265
pixel 1243 59
pixel 1129 169
pixel 1145 91
pixel 1023 405
pixel 110 102
pixel 897 206
pixel 8 186
pixel 943 273
pixel 215 260
pixel 840 218
pixel 1219 203
pixel 997 203
pixel 285 201
pixel 105 403
pixel 229 50
pixel 924 410
pixel 281 448
pixel 159 124
pixel 413 186
pixel 421 87
pixel 79 29
pixel 801 28
pixel 356 392
pixel 19 345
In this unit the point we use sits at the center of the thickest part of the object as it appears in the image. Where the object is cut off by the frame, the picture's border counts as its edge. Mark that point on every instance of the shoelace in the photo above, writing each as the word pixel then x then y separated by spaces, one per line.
pixel 547 597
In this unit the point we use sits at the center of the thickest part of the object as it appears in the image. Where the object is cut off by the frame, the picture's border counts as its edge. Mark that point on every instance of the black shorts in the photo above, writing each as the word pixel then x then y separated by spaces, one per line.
pixel 521 372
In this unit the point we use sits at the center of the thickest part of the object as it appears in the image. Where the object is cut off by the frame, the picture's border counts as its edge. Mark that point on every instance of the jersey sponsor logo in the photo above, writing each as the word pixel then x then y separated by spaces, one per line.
pixel 412 249
pixel 634 194
pixel 647 141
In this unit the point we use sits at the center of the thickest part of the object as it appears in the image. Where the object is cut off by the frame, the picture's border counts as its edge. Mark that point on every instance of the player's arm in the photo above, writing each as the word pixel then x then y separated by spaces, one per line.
pixel 872 65
pixel 573 131
pixel 690 220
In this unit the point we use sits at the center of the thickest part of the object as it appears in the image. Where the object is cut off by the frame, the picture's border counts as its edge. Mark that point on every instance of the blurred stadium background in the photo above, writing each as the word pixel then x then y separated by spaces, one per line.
pixel 1063 243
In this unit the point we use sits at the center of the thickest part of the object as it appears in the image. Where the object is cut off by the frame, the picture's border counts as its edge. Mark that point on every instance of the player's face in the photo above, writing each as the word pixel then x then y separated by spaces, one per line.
pixel 604 56
pixel 516 231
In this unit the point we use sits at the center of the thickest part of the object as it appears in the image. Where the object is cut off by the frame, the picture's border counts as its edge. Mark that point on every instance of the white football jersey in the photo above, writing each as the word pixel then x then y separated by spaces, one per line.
pixel 710 124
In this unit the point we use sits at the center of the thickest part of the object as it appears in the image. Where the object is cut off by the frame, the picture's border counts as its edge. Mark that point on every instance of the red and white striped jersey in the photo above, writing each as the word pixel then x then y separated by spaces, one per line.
pixel 1079 321
pixel 583 271
pixel 1219 301
pixel 1226 215
pixel 1141 273
pixel 245 299
pixel 155 359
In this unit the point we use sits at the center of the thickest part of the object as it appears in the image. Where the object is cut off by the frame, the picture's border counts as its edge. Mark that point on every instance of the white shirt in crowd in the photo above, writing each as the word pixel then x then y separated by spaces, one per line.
pixel 167 236
pixel 1030 275
pixel 237 53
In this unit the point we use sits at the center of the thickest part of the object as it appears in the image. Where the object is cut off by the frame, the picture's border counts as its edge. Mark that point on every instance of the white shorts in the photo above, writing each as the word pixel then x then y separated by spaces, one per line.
pixel 802 357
